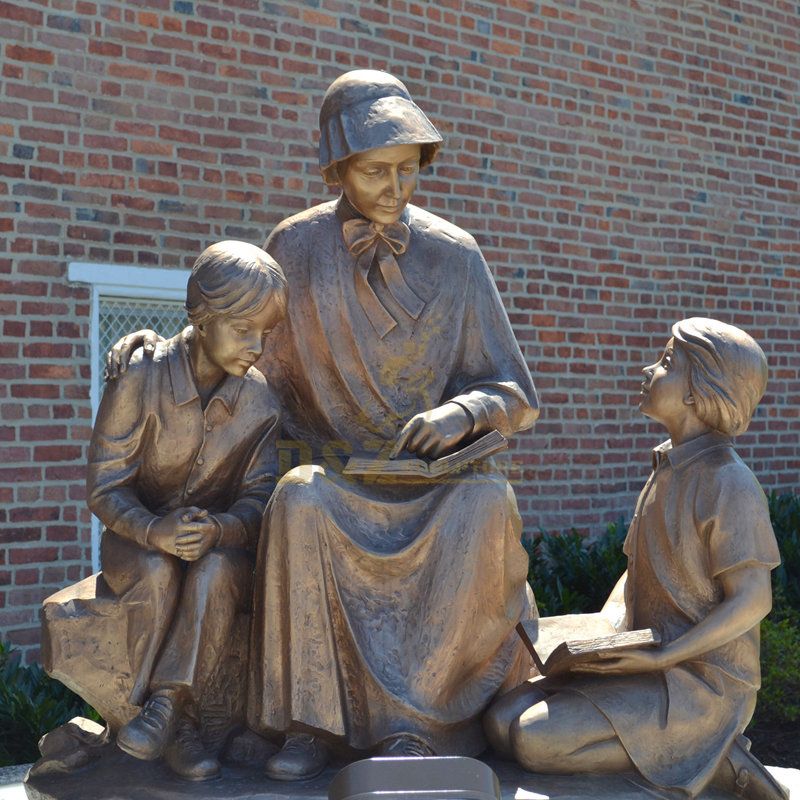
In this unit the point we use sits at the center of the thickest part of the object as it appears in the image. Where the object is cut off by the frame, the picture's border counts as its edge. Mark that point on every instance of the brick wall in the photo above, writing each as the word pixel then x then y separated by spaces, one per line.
pixel 623 164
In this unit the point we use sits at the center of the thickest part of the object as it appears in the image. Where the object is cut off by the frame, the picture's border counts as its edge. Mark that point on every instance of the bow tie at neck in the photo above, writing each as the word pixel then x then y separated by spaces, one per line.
pixel 367 242
pixel 360 235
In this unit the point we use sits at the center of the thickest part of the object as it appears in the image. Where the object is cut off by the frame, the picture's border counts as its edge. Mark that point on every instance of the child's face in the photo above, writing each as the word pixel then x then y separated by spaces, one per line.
pixel 234 344
pixel 380 182
pixel 665 388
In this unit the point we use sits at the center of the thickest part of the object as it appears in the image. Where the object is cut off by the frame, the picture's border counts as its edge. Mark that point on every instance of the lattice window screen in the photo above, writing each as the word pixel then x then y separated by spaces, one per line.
pixel 121 315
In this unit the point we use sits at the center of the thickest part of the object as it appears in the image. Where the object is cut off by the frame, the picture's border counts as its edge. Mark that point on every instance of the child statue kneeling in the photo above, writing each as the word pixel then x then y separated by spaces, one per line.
pixel 700 549
pixel 181 465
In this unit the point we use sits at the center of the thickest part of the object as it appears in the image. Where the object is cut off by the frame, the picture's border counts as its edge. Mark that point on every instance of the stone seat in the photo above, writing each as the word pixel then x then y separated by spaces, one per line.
pixel 85 646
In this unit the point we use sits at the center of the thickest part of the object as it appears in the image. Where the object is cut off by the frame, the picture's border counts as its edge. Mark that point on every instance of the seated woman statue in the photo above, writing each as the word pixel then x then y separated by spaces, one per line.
pixel 700 549
pixel 385 611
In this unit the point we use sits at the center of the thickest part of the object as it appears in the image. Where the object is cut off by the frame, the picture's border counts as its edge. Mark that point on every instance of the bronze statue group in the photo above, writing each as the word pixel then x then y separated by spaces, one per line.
pixel 383 613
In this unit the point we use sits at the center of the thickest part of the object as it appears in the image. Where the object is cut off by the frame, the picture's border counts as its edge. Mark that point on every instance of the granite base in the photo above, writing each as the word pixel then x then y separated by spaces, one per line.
pixel 116 776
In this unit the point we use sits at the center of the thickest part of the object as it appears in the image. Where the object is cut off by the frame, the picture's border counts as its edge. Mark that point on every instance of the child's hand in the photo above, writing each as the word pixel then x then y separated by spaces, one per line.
pixel 626 663
pixel 187 533
pixel 196 535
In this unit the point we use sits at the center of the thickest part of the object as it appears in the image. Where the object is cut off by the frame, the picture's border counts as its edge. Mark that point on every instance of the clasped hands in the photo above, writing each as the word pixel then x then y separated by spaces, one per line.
pixel 188 533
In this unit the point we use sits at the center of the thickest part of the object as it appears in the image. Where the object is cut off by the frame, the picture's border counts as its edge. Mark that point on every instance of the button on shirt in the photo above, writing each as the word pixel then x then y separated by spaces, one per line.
pixel 155 449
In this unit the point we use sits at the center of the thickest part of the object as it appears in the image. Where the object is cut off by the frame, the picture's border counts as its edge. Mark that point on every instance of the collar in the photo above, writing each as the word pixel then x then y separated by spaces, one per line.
pixel 688 451
pixel 184 389
pixel 345 210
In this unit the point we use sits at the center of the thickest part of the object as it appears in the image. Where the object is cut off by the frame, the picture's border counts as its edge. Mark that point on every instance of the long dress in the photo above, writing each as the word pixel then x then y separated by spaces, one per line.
pixel 386 608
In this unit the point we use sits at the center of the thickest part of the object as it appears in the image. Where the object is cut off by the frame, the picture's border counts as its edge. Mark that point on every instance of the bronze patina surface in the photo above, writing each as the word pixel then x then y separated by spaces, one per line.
pixel 382 611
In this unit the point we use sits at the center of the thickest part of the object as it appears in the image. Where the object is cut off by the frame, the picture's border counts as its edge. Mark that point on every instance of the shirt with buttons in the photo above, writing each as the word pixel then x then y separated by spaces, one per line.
pixel 155 449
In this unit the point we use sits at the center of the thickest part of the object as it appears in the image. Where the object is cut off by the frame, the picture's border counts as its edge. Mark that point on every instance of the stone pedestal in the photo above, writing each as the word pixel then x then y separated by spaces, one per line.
pixel 116 776
pixel 85 645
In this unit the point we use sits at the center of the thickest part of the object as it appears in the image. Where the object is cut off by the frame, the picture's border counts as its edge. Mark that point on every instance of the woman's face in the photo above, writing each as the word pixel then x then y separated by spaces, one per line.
pixel 379 183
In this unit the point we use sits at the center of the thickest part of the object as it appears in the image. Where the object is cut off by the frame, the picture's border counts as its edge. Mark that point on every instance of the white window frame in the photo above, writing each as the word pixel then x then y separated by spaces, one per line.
pixel 115 280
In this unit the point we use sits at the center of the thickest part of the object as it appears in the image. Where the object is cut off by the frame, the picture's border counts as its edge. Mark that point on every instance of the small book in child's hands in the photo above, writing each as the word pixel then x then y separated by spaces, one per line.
pixel 485 446
pixel 559 644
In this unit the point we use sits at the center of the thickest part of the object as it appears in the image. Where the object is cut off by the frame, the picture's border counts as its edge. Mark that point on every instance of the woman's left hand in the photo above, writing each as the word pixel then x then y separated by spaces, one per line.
pixel 627 663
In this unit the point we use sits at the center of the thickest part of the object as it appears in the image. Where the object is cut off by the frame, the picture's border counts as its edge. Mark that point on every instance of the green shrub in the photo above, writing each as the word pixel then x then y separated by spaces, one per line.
pixel 784 510
pixel 779 698
pixel 31 704
pixel 571 574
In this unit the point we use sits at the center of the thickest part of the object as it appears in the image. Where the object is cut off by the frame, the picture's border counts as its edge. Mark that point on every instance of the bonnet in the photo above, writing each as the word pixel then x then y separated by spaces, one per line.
pixel 365 109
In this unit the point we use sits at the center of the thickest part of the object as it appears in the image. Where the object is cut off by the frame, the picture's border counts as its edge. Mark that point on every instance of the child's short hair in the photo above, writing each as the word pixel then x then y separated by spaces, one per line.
pixel 233 279
pixel 727 372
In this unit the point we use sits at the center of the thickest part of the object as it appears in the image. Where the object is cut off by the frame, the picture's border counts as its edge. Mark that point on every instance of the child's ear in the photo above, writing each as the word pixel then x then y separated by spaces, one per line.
pixel 688 399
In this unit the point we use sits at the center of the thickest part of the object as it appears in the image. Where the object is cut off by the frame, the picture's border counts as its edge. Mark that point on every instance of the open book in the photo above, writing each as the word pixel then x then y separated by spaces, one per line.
pixel 486 445
pixel 560 643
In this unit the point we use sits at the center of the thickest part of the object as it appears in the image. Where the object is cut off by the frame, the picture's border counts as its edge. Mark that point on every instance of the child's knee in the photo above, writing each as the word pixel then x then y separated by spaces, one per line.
pixel 162 574
pixel 529 737
pixel 496 732
pixel 501 714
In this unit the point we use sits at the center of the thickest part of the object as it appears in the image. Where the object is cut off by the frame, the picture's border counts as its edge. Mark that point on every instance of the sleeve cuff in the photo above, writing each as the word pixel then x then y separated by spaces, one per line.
pixel 232 532
pixel 475 407
pixel 135 525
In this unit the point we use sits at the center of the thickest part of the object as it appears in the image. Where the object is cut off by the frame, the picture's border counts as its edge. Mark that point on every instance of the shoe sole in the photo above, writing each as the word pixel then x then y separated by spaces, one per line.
pixel 197 778
pixel 131 751
pixel 286 777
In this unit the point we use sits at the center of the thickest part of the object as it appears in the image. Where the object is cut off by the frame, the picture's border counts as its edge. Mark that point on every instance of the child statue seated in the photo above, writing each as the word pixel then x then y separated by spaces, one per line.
pixel 700 549
pixel 181 466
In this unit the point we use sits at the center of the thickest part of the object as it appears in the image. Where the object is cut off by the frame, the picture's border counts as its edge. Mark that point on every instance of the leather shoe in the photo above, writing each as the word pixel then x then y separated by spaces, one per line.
pixel 742 774
pixel 146 735
pixel 301 757
pixel 406 745
pixel 186 756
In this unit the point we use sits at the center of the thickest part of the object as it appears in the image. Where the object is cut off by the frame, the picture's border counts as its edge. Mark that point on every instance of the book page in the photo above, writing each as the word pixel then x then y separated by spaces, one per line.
pixel 383 466
pixel 492 442
pixel 542 636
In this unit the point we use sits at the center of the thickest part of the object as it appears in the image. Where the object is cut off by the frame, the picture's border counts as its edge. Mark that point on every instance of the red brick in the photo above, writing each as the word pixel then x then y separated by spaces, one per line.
pixel 25 577
pixel 53 371
pixel 49 391
pixel 18 13
pixel 29 54
pixel 33 555
pixel 101 47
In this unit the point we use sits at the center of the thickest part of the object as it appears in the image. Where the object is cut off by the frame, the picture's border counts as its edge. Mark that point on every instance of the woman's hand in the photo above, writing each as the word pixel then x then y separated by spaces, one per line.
pixel 435 432
pixel 119 355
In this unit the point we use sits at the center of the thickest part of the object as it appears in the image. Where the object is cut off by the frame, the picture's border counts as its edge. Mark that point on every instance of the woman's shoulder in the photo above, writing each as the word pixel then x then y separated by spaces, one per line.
pixel 437 231
pixel 301 223
pixel 259 392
